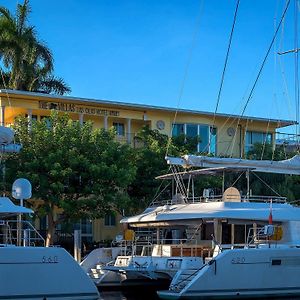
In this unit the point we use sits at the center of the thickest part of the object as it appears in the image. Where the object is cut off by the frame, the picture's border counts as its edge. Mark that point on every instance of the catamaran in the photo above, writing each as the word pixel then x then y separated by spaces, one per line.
pixel 256 239
pixel 188 234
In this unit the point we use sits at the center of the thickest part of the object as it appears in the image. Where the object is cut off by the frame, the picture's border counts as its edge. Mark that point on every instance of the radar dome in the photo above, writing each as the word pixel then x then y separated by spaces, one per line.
pixel 21 189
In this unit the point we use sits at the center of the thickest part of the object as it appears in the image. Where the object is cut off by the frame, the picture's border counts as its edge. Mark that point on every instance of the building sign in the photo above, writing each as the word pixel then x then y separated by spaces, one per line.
pixel 80 109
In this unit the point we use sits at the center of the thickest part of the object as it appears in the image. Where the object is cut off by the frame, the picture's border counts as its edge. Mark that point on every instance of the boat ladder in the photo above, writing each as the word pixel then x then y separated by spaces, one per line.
pixel 183 278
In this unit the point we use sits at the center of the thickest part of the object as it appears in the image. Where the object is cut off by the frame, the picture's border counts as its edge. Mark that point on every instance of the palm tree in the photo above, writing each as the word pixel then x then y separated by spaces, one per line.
pixel 27 62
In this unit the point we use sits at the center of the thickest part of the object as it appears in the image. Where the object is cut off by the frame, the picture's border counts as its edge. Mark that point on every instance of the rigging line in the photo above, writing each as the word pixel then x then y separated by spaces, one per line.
pixel 179 183
pixel 187 67
pixel 231 117
pixel 238 178
pixel 266 184
pixel 296 62
pixel 282 71
pixel 225 64
pixel 263 63
pixel 158 192
pixel 265 59
pixel 285 86
pixel 265 141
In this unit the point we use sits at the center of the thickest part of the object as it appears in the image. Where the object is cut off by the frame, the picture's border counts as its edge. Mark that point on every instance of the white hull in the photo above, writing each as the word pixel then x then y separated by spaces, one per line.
pixel 132 270
pixel 262 272
pixel 42 273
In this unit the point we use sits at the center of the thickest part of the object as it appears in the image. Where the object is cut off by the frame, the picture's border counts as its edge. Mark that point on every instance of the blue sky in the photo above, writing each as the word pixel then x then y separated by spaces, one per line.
pixel 137 51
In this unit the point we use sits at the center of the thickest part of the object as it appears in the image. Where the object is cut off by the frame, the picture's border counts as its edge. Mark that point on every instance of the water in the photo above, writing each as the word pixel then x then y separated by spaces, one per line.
pixel 116 295
pixel 152 296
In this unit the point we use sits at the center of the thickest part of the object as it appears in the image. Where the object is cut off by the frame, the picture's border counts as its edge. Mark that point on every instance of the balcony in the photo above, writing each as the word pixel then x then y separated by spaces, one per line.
pixel 290 141
pixel 129 138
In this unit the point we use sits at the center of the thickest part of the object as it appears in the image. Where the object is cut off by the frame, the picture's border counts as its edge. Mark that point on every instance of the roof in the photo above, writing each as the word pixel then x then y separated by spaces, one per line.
pixel 143 107
pixel 216 210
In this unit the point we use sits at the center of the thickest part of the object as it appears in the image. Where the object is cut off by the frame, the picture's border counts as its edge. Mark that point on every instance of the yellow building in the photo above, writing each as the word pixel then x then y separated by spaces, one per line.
pixel 221 134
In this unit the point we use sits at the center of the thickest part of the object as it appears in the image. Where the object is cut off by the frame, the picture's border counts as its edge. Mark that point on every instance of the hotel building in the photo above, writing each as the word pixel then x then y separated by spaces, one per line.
pixel 220 134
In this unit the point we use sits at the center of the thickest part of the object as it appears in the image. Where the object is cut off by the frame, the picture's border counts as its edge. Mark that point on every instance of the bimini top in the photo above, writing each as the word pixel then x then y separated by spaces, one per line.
pixel 185 213
pixel 287 166
pixel 7 207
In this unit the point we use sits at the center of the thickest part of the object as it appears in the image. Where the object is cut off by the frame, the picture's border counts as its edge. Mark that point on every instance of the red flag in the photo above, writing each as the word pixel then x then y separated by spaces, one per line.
pixel 270 215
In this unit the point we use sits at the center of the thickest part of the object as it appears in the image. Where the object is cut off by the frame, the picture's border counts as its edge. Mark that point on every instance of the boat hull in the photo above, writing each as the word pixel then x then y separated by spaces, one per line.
pixel 242 273
pixel 42 273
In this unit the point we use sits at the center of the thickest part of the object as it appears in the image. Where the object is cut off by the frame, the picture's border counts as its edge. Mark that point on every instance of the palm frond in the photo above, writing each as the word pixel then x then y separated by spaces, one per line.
pixel 22 14
pixel 55 85
pixel 6 14
pixel 44 53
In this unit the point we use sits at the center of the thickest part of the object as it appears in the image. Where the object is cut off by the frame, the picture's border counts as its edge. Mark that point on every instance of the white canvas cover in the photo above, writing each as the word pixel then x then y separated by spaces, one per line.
pixel 251 211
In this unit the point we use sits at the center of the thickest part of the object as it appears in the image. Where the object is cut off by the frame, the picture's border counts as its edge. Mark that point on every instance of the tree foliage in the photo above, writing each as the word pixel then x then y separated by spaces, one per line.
pixel 272 184
pixel 82 172
pixel 27 62
pixel 150 162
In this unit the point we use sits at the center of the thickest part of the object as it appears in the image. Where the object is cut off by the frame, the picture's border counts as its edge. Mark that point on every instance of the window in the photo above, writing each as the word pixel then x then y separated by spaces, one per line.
pixel 110 220
pixel 33 117
pixel 213 140
pixel 178 129
pixel 254 137
pixel 191 130
pixel 86 228
pixel 207 135
pixel 204 138
pixel 120 128
pixel 47 120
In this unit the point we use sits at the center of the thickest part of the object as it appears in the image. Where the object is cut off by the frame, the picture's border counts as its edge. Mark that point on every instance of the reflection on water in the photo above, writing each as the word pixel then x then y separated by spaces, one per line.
pixel 128 296
pixel 112 296
pixel 153 296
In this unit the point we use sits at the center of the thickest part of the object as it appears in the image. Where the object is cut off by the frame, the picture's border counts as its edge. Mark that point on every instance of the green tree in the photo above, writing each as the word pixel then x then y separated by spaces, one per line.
pixel 284 185
pixel 27 62
pixel 82 172
pixel 150 151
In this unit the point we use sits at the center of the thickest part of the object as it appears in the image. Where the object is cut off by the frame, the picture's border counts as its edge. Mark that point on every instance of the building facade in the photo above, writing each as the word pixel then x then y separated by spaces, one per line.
pixel 219 134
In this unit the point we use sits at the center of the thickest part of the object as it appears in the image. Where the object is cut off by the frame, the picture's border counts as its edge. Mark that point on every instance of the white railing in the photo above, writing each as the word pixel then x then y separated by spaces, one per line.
pixel 218 198
pixel 18 233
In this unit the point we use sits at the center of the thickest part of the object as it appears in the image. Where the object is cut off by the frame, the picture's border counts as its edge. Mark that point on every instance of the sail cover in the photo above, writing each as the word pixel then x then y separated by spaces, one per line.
pixel 287 166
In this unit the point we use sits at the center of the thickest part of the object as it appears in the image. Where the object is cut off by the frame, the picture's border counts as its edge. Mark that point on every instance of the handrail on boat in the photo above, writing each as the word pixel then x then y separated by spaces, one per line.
pixel 10 233
pixel 218 198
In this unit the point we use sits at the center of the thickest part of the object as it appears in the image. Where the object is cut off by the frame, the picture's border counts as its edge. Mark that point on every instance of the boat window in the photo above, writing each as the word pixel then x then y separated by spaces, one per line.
pixel 207 231
pixel 276 262
pixel 226 233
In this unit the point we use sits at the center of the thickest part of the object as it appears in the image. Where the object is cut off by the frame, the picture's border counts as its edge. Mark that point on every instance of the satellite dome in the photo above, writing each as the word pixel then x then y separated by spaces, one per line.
pixel 21 189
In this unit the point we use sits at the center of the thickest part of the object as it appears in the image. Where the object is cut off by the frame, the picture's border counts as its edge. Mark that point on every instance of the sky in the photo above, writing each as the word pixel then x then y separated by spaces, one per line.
pixel 171 52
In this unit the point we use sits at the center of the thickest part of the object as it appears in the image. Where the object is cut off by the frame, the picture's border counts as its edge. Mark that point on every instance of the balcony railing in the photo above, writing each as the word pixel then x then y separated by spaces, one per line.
pixel 130 138
pixel 287 138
